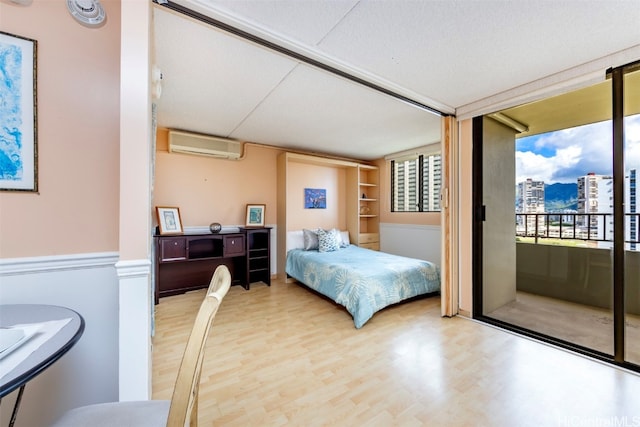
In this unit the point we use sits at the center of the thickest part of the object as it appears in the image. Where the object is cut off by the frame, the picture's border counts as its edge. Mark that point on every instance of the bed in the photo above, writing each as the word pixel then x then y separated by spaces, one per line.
pixel 362 280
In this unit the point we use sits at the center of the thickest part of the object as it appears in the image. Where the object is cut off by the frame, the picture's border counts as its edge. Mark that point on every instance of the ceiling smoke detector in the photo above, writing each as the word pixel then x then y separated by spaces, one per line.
pixel 87 12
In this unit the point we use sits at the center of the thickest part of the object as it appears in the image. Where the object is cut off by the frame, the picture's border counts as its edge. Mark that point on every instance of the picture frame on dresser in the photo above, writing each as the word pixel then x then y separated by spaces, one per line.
pixel 255 215
pixel 169 221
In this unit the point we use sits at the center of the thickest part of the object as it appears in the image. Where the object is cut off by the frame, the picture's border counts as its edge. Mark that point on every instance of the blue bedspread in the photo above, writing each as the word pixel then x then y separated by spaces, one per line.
pixel 362 280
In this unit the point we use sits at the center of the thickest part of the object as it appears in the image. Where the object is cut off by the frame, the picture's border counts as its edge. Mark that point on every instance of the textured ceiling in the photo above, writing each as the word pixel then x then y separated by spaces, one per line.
pixel 445 54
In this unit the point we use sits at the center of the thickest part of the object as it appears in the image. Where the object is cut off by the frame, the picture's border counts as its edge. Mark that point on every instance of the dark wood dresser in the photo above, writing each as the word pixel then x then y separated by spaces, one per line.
pixel 186 262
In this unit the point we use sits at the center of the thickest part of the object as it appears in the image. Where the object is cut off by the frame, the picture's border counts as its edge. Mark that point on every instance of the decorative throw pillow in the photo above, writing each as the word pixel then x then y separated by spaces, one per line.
pixel 328 240
pixel 310 239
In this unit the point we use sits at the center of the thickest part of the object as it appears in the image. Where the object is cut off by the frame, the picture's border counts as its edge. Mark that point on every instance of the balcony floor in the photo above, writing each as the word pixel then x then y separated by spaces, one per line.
pixel 588 326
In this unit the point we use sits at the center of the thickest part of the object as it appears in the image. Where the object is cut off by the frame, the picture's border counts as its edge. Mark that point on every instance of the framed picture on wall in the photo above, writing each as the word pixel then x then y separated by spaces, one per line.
pixel 315 198
pixel 255 215
pixel 169 221
pixel 18 119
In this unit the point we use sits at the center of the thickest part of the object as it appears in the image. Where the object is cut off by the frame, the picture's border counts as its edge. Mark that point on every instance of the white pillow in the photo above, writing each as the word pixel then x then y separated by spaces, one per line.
pixel 295 240
pixel 344 235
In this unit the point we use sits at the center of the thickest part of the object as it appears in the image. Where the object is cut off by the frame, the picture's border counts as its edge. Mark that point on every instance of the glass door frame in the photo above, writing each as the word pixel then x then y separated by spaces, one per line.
pixel 618 271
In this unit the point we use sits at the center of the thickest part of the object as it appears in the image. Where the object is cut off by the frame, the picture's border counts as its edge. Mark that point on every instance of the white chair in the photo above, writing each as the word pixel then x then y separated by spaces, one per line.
pixel 182 410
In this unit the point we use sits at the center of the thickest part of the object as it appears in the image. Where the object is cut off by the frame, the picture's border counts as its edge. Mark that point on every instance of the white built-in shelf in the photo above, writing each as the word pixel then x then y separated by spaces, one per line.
pixel 368 200
pixel 368 216
pixel 366 184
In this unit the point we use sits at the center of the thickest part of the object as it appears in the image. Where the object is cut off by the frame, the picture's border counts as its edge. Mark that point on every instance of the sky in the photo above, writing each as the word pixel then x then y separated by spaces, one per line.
pixel 565 155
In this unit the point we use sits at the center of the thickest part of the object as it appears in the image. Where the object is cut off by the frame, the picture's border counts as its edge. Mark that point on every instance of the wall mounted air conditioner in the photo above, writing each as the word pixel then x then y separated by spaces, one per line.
pixel 203 145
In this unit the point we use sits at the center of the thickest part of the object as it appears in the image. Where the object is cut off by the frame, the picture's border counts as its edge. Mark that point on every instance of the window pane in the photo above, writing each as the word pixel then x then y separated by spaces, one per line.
pixel 416 189
pixel 405 186
pixel 432 180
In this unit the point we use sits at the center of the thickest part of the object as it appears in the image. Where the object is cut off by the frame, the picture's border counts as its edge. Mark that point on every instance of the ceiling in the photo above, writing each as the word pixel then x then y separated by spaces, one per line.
pixel 576 108
pixel 443 54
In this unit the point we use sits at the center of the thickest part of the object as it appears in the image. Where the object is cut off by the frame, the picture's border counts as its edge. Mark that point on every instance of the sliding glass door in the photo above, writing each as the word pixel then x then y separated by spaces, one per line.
pixel 556 251
pixel 632 215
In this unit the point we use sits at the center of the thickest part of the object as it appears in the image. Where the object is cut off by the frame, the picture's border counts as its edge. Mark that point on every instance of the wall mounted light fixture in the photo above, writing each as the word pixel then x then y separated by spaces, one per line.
pixel 87 12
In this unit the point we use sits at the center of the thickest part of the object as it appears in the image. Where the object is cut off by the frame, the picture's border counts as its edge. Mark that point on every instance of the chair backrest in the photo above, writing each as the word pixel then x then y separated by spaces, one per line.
pixel 184 403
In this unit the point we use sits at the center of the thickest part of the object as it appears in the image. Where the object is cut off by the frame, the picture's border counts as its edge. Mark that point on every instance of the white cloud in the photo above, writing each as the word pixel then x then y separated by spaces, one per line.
pixel 632 137
pixel 565 155
pixel 540 168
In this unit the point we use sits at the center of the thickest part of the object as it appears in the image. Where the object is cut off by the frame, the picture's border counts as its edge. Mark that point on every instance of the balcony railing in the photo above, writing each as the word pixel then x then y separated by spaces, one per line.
pixel 596 227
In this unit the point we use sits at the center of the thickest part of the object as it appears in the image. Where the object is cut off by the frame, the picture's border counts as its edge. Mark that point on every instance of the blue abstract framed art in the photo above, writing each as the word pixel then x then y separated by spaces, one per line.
pixel 315 198
pixel 18 114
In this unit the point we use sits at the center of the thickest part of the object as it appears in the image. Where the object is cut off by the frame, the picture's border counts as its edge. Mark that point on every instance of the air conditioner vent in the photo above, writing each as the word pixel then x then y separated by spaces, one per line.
pixel 203 145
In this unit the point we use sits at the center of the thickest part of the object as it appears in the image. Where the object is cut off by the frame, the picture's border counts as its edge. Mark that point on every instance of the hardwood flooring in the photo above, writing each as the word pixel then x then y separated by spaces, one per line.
pixel 281 355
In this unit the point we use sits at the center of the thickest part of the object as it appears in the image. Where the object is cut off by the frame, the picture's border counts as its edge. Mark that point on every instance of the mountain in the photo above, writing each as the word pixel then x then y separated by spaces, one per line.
pixel 559 196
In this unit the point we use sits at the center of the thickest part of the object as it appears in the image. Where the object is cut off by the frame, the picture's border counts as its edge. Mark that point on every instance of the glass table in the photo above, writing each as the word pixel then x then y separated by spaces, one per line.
pixel 52 343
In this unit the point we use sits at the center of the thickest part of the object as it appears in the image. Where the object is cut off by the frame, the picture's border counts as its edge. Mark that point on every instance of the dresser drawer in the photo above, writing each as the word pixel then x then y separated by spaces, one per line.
pixel 369 238
pixel 373 246
pixel 173 249
pixel 234 245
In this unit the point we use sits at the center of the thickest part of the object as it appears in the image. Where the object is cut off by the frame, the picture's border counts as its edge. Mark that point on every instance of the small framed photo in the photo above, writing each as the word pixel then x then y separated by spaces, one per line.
pixel 169 220
pixel 255 216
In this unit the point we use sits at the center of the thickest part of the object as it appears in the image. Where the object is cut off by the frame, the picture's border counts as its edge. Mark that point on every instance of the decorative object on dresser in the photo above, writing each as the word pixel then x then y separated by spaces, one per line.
pixel 215 227
pixel 255 215
pixel 169 221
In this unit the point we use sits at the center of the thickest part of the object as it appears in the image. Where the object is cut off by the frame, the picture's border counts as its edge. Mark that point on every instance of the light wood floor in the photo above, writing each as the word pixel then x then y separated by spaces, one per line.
pixel 282 355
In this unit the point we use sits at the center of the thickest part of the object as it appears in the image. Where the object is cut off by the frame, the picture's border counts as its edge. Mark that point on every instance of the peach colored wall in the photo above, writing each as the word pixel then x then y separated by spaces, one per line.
pixel 210 190
pixel 136 135
pixel 301 176
pixel 386 216
pixel 76 210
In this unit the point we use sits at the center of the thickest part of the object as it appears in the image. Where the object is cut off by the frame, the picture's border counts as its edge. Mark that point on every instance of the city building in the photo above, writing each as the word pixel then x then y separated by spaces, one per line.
pixel 530 200
pixel 632 225
pixel 432 179
pixel 595 201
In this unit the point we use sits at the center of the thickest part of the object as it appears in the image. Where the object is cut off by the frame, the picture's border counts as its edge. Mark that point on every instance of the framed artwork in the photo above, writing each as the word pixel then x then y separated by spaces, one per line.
pixel 255 216
pixel 169 221
pixel 18 119
pixel 315 198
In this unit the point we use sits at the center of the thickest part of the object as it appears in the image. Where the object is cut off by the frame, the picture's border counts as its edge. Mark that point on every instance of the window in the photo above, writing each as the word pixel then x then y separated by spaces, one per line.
pixel 415 183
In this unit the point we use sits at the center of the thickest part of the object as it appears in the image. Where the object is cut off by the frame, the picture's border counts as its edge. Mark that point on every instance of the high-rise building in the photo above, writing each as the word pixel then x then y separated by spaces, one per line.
pixel 415 191
pixel 432 179
pixel 406 186
pixel 530 196
pixel 632 223
pixel 595 196
pixel 530 200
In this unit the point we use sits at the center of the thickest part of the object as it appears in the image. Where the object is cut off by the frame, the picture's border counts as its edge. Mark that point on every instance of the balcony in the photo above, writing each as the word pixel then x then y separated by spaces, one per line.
pixel 564 280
